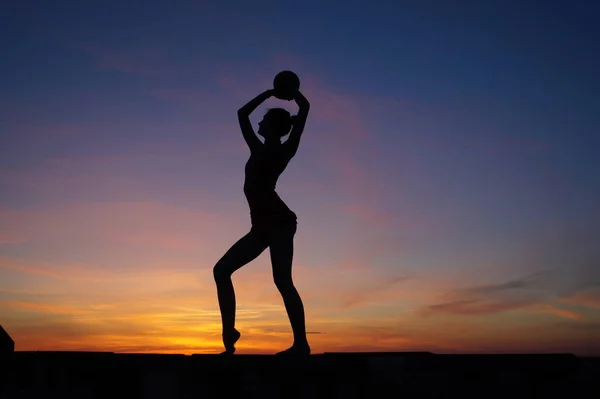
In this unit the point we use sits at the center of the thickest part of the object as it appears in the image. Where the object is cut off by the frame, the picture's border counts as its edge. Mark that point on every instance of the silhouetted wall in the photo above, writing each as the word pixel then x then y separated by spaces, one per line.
pixel 7 348
pixel 7 345
pixel 331 375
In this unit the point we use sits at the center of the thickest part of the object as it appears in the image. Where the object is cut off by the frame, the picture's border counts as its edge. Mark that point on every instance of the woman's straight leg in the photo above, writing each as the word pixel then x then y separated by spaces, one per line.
pixel 282 253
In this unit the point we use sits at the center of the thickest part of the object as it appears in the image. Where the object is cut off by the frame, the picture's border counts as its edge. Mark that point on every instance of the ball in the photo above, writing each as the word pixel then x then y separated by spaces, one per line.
pixel 285 85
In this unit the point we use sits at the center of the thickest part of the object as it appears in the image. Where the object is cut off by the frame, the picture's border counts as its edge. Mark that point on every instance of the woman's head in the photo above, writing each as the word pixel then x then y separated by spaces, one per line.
pixel 276 123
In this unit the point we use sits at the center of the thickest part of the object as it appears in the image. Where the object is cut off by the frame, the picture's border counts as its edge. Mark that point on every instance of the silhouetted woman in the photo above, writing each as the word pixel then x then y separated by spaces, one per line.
pixel 273 223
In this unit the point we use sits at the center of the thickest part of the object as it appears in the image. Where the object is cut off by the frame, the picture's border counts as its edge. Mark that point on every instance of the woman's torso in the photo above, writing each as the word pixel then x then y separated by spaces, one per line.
pixel 262 172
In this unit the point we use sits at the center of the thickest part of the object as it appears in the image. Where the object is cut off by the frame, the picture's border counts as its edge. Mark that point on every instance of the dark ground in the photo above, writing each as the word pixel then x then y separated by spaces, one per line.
pixel 329 375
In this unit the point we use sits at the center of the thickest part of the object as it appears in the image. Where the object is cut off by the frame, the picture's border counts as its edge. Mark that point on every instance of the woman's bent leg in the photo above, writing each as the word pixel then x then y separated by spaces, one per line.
pixel 242 252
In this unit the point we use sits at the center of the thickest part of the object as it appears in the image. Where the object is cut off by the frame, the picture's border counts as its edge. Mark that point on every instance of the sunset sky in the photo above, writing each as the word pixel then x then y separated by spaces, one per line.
pixel 447 185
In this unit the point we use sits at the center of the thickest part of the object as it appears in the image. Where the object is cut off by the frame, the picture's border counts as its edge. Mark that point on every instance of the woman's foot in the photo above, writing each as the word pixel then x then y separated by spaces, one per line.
pixel 296 350
pixel 229 340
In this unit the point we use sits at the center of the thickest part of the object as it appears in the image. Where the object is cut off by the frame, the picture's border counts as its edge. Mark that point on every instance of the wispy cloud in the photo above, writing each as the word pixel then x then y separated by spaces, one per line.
pixel 132 228
pixel 8 238
pixel 525 293
pixel 472 307
pixel 588 297
pixel 528 282
pixel 65 271
pixel 554 310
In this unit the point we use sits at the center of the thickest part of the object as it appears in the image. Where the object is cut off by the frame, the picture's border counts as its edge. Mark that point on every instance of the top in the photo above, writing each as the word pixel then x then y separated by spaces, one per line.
pixel 262 170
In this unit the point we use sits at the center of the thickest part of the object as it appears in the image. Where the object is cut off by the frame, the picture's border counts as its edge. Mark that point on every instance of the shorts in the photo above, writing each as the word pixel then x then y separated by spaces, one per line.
pixel 268 232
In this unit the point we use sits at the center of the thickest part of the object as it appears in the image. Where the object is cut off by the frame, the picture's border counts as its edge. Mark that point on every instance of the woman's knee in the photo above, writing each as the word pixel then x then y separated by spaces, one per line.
pixel 221 272
pixel 283 282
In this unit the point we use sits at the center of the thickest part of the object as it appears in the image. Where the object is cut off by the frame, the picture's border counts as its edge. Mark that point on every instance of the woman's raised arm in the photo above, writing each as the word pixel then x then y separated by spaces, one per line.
pixel 244 119
pixel 293 141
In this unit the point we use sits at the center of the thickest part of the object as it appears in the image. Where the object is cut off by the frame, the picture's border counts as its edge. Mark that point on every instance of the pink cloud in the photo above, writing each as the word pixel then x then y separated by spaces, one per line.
pixel 472 307
pixel 588 298
pixel 8 238
pixel 73 271
pixel 553 310
pixel 131 231
pixel 69 176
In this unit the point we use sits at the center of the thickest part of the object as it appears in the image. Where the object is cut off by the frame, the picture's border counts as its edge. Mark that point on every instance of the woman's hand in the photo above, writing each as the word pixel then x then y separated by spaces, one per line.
pixel 284 95
pixel 298 122
pixel 299 98
pixel 255 102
